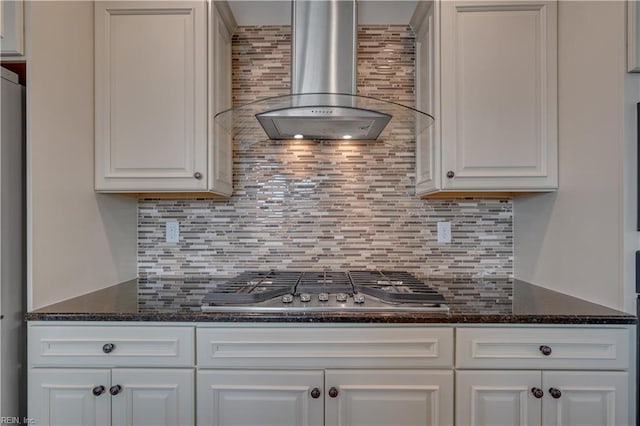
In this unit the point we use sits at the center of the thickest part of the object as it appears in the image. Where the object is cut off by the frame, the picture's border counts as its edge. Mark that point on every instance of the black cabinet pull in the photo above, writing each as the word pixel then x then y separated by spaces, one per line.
pixel 315 393
pixel 450 174
pixel 107 348
pixel 114 390
pixel 333 392
pixel 98 390
pixel 555 393
pixel 546 350
pixel 537 392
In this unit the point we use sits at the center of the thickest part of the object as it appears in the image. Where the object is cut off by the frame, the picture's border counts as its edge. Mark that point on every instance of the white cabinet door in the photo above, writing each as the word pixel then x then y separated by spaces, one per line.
pixel 427 27
pixel 220 141
pixel 497 398
pixel 499 95
pixel 389 397
pixel 11 28
pixel 153 397
pixel 585 398
pixel 151 96
pixel 65 397
pixel 487 70
pixel 260 397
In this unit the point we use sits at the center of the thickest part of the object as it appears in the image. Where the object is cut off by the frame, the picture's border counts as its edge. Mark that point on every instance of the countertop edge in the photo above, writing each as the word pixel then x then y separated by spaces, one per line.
pixel 341 318
pixel 530 304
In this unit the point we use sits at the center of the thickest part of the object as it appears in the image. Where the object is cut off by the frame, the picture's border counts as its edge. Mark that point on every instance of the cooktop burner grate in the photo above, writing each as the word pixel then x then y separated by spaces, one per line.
pixel 323 282
pixel 255 287
pixel 394 286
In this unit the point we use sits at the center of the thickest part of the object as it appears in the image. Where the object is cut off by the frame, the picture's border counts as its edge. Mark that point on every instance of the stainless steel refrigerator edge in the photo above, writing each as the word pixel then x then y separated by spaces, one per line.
pixel 12 248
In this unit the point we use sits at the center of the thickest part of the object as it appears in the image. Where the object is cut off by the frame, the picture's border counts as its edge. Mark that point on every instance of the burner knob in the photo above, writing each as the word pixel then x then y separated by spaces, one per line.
pixel 287 298
pixel 305 297
pixel 358 298
pixel 323 297
pixel 341 297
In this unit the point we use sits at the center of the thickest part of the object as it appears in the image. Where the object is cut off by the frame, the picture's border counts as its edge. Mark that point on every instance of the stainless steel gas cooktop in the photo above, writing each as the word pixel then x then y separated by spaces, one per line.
pixel 314 291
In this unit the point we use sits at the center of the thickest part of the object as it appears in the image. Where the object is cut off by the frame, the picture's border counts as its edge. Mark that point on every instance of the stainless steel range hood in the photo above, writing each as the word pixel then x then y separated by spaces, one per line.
pixel 323 104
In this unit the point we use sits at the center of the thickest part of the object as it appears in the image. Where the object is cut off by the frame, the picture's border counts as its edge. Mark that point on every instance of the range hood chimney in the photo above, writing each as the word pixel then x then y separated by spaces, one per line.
pixel 323 104
pixel 323 61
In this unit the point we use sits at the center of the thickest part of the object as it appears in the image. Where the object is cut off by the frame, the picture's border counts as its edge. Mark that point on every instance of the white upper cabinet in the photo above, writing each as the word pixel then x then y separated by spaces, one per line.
pixel 153 107
pixel 488 72
pixel 11 28
pixel 221 29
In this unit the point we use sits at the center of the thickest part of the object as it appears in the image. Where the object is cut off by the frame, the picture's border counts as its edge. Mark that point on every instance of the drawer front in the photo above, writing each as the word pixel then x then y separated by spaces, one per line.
pixel 324 347
pixel 543 348
pixel 132 346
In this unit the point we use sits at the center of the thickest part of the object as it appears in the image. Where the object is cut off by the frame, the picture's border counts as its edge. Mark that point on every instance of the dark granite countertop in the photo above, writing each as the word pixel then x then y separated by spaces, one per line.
pixel 501 301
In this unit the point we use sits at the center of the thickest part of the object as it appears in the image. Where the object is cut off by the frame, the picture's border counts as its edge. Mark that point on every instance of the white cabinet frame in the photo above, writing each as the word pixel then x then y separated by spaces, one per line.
pixel 11 28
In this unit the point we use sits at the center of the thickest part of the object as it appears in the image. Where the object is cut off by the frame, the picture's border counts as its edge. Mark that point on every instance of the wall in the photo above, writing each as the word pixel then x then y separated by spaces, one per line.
pixel 78 241
pixel 580 240
pixel 339 205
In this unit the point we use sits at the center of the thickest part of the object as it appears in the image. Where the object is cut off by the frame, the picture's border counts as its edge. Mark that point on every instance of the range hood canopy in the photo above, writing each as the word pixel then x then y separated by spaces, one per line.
pixel 323 104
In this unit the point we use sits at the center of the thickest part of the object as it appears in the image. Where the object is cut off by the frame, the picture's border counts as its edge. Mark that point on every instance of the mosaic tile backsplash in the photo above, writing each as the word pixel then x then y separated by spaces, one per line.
pixel 335 205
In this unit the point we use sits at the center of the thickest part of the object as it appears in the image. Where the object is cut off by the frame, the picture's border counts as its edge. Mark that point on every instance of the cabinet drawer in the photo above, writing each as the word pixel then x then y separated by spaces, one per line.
pixel 525 348
pixel 132 346
pixel 325 347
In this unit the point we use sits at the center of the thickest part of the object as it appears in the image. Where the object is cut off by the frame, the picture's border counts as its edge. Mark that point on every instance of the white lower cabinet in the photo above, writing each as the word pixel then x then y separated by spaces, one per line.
pixel 153 397
pixel 550 398
pixel 61 396
pixel 260 397
pixel 550 376
pixel 494 398
pixel 389 397
pixel 325 397
pixel 325 375
pixel 585 398
pixel 136 396
pixel 316 375
pixel 111 374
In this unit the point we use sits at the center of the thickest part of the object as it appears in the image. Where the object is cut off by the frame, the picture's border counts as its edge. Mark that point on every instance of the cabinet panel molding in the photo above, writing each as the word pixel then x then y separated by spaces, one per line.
pixel 64 397
pixel 158 397
pixel 570 348
pixel 328 347
pixel 497 398
pixel 587 398
pixel 275 397
pixel 389 397
pixel 132 346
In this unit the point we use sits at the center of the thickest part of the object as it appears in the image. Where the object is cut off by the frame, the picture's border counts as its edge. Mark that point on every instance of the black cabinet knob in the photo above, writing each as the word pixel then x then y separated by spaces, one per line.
pixel 315 393
pixel 555 393
pixel 107 348
pixel 333 392
pixel 98 390
pixel 537 392
pixel 115 389
pixel 197 175
pixel 546 350
pixel 450 174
